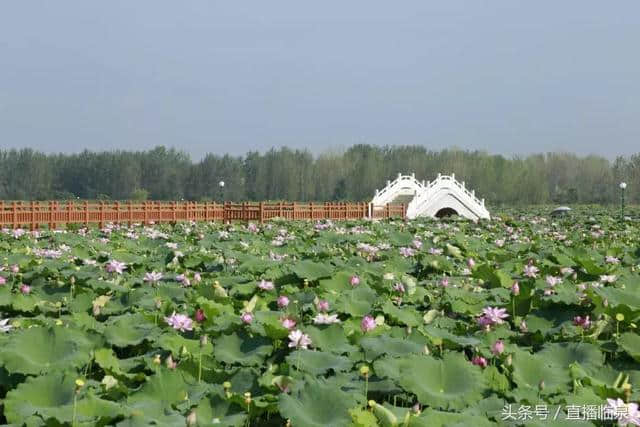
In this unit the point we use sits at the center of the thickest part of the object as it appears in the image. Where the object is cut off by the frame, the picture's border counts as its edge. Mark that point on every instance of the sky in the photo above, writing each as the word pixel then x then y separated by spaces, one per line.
pixel 505 76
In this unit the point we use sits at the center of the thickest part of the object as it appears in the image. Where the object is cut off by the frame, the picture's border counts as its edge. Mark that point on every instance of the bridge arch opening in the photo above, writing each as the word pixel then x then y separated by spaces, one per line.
pixel 446 212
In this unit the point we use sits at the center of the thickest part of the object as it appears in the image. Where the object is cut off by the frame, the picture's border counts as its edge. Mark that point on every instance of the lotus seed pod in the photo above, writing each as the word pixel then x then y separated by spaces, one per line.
pixel 226 385
pixel 620 317
pixel 156 360
pixel 364 371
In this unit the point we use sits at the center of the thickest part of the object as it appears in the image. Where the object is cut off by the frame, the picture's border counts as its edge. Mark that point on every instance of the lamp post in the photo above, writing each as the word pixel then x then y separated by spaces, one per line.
pixel 221 186
pixel 623 186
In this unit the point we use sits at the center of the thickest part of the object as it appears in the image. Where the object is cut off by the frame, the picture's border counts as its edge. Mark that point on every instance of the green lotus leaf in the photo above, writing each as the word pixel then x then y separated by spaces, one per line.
pixel 357 302
pixel 375 347
pixel 174 343
pixel 242 349
pixel 36 350
pixel 562 355
pixel 219 411
pixel 630 342
pixel 406 315
pixel 434 331
pixel 534 372
pixel 51 396
pixel 330 338
pixel 433 418
pixel 318 362
pixel 448 383
pixel 311 270
pixel 154 401
pixel 338 282
pixel 317 404
pixel 130 329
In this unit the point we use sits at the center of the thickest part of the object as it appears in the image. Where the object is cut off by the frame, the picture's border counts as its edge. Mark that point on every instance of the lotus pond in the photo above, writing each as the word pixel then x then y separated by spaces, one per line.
pixel 523 320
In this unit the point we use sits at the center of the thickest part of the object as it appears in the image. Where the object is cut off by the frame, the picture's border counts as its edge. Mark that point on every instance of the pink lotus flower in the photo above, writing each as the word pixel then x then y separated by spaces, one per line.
pixel 25 289
pixel 407 252
pixel 323 305
pixel 14 268
pixel 2 280
pixel 471 263
pixel 299 340
pixel 553 280
pixel 608 278
pixel 114 266
pixel 435 251
pixel 181 322
pixel 497 348
pixel 583 322
pixel 625 413
pixel 246 318
pixel 444 282
pixel 611 260
pixel 368 324
pixel 288 323
pixel 197 278
pixel 184 280
pixel 354 280
pixel 531 270
pixel 325 319
pixel 152 277
pixel 265 285
pixel 399 287
pixel 492 316
pixel 200 316
pixel 283 301
pixel 515 289
pixel 479 361
pixel 417 244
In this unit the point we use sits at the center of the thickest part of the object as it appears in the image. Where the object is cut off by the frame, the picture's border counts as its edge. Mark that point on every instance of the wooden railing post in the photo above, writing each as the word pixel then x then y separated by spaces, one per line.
pixel 145 212
pixel 86 214
pixel 101 221
pixel 32 219
pixel 129 213
pixel 117 212
pixel 295 206
pixel 173 212
pixel 261 217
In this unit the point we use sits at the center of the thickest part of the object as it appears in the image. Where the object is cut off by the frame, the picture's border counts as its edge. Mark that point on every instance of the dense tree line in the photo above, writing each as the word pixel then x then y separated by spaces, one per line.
pixel 169 174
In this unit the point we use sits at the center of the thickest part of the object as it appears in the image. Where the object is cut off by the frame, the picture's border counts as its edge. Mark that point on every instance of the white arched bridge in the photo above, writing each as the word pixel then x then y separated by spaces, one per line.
pixel 441 197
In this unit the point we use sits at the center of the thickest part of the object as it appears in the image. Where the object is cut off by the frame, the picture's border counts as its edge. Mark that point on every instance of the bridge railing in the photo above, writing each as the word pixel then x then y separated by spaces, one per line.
pixel 53 214
pixel 391 185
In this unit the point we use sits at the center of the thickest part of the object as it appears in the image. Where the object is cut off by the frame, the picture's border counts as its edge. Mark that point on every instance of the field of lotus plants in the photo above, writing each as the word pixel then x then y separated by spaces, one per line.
pixel 521 320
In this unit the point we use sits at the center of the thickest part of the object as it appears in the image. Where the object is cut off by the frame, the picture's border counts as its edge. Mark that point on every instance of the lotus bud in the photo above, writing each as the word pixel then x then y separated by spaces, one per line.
pixel 247 398
pixel 626 389
pixel 171 364
pixel 541 385
pixel 183 351
pixel 158 303
pixel 192 418
pixel 204 340
pixel 416 409
pixel 156 360
pixel 72 280
pixel 515 289
pixel 509 360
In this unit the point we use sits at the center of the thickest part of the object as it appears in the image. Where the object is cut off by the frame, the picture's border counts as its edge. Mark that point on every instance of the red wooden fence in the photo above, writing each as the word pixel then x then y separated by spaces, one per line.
pixel 53 214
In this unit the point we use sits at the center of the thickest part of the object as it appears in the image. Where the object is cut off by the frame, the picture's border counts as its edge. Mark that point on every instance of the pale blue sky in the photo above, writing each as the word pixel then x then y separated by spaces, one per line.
pixel 211 76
